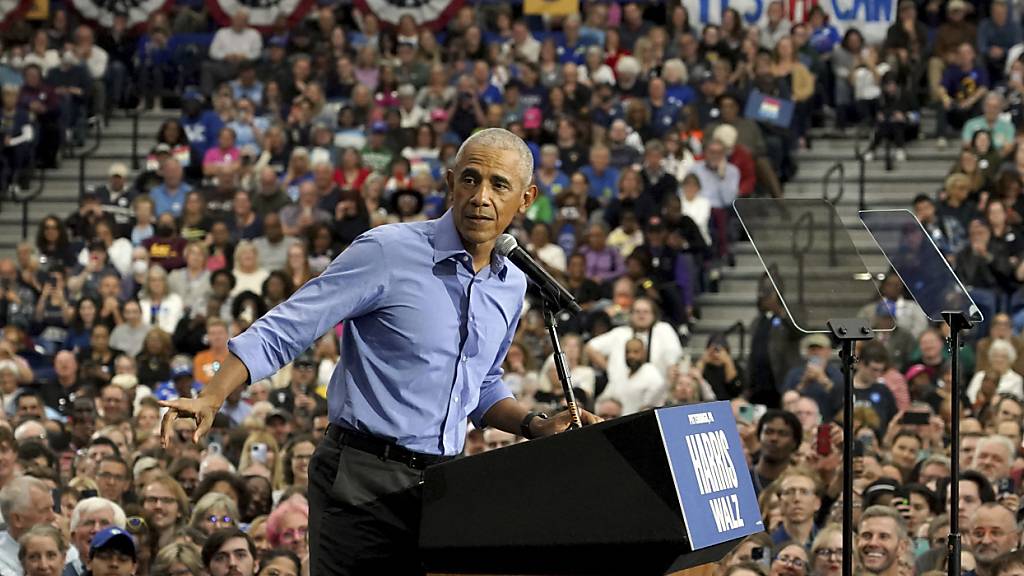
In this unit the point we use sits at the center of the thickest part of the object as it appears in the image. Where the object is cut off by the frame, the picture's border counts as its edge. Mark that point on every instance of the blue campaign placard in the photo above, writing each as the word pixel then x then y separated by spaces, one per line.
pixel 710 473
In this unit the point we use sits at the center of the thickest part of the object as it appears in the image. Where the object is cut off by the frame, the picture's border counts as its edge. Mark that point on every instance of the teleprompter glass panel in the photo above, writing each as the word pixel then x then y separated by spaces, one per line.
pixel 919 263
pixel 810 259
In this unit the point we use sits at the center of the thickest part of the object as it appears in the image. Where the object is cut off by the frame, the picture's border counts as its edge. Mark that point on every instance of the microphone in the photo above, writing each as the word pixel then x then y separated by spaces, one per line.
pixel 555 294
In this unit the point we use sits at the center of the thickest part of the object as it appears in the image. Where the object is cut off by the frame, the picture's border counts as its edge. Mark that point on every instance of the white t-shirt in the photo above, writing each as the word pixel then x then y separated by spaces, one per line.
pixel 641 390
pixel 664 349
pixel 551 254
pixel 699 210
pixel 1009 383
pixel 226 42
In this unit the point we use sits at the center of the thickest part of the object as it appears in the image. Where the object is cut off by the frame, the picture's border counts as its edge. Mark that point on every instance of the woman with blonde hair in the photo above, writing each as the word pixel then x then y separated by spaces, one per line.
pixel 258 531
pixel 787 66
pixel 41 551
pixel 177 558
pixel 827 551
pixel 213 512
pixel 249 275
pixel 254 452
pixel 296 265
pixel 159 305
pixel 192 282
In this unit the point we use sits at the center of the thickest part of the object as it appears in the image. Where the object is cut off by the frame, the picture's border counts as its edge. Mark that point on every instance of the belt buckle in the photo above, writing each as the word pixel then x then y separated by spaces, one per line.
pixel 414 460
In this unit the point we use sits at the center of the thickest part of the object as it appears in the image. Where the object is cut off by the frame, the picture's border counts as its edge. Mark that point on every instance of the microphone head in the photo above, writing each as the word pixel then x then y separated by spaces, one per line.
pixel 505 244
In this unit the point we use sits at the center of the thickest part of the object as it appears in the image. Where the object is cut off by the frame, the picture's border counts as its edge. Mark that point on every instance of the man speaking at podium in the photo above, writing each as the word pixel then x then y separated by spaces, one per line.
pixel 430 315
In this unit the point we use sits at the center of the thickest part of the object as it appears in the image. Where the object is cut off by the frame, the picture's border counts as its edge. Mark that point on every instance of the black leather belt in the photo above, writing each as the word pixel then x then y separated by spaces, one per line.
pixel 383 449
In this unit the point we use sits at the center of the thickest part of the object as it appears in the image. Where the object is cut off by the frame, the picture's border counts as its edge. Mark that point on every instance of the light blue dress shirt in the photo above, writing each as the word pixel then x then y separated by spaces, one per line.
pixel 424 336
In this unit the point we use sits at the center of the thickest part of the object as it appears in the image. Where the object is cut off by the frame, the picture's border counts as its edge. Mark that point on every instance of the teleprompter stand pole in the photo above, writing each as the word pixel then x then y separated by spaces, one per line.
pixel 561 366
pixel 957 321
pixel 845 333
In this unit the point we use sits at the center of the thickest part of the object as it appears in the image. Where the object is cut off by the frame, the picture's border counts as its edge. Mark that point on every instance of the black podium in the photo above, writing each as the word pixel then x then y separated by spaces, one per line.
pixel 600 500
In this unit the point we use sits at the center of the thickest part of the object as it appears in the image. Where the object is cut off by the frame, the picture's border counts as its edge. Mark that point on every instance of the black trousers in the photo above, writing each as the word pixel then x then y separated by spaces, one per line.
pixel 364 513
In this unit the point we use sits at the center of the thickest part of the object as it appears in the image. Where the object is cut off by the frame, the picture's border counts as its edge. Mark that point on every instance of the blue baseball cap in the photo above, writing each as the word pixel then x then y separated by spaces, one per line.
pixel 180 370
pixel 379 127
pixel 280 41
pixel 193 93
pixel 113 538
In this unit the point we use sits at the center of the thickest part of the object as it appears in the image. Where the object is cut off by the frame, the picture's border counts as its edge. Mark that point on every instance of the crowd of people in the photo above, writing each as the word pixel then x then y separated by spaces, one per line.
pixel 281 146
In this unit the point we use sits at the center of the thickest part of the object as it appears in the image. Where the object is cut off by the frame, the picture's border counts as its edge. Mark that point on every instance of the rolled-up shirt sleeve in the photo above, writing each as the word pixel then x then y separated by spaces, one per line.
pixel 493 389
pixel 353 285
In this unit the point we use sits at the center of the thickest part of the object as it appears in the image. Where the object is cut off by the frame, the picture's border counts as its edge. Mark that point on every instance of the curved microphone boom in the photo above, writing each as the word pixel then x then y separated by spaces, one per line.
pixel 556 295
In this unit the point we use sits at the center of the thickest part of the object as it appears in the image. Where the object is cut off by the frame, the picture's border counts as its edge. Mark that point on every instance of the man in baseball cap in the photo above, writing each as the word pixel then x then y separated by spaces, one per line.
pixel 112 553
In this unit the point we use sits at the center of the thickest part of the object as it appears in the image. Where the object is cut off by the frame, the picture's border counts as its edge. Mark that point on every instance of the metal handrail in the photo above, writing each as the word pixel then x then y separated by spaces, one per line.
pixel 26 199
pixel 859 156
pixel 134 114
pixel 741 329
pixel 800 251
pixel 85 155
pixel 837 168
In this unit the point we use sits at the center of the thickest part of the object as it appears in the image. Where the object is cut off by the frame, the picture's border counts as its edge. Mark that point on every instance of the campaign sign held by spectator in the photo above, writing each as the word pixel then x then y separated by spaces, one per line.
pixel 710 473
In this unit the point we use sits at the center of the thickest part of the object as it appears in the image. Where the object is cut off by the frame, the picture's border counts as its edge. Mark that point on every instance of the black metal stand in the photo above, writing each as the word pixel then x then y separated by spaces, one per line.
pixel 561 366
pixel 957 322
pixel 845 332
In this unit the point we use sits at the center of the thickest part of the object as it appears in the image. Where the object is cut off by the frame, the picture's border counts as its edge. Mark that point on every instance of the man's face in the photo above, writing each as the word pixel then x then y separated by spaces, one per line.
pixel 320 424
pixel 993 533
pixel 233 559
pixel 641 317
pixel 799 500
pixel 932 473
pixel 964 54
pixel 992 460
pixel 970 500
pixel 29 408
pixel 1009 410
pixel 1011 429
pixel 807 412
pixel 158 500
pixel 8 272
pixel 115 405
pixel 925 211
pixel 715 153
pixel 879 545
pixel 904 452
pixel 303 375
pixel 111 563
pixel 777 439
pixel 113 480
pixel 968 445
pixel 172 173
pixel 218 336
pixel 487 193
pixel 39 510
pixel 636 354
pixel 88 526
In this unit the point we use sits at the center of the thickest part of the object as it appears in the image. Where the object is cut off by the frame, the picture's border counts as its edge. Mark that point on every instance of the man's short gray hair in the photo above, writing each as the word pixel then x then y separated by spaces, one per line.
pixel 999 439
pixel 501 139
pixel 17 494
pixel 878 511
pixel 93 505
